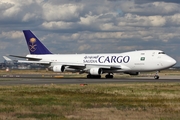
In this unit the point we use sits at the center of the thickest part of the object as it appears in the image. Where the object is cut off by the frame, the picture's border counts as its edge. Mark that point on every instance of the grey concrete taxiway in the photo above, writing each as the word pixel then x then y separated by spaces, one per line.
pixel 16 80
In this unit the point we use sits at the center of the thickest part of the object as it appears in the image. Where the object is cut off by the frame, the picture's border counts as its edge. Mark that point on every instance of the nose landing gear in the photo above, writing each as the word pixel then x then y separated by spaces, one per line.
pixel 156 76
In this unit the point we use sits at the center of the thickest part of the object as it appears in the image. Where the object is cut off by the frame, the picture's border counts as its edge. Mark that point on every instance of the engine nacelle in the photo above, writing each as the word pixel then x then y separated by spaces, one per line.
pixel 95 71
pixel 132 73
pixel 58 68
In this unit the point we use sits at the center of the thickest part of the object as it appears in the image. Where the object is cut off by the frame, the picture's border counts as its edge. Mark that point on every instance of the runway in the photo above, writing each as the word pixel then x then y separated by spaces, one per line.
pixel 16 80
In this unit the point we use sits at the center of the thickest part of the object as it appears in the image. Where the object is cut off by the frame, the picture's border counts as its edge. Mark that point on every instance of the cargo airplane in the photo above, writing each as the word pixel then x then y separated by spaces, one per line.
pixel 95 65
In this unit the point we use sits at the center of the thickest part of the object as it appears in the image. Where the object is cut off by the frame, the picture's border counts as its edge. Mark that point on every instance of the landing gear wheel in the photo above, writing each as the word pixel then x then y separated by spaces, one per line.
pixel 109 76
pixel 88 76
pixel 156 77
pixel 93 76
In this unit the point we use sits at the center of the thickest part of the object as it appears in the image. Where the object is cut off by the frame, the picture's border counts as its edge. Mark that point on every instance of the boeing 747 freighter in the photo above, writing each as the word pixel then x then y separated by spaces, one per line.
pixel 95 65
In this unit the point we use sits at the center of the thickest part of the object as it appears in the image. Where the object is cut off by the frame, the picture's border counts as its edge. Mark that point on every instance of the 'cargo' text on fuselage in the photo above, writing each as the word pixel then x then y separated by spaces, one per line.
pixel 106 59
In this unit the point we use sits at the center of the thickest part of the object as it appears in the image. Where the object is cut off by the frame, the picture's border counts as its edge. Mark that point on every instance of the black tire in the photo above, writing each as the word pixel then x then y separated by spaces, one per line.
pixel 156 77
pixel 109 76
pixel 94 76
pixel 88 76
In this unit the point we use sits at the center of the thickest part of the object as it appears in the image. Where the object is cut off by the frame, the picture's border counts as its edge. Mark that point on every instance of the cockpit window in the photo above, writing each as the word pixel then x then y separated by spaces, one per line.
pixel 161 53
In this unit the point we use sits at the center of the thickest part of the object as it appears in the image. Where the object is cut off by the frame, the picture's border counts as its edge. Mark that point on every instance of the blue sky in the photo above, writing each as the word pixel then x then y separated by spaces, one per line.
pixel 91 26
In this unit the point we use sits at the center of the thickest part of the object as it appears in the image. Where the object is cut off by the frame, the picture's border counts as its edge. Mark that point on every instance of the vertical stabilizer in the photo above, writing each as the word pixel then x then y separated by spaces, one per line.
pixel 34 45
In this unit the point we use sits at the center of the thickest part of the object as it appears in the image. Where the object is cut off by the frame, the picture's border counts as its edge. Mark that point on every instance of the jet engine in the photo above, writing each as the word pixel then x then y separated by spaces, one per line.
pixel 95 71
pixel 58 68
pixel 132 73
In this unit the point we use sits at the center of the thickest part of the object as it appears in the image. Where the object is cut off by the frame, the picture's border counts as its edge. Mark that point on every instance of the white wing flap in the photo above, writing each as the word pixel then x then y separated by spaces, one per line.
pixel 68 64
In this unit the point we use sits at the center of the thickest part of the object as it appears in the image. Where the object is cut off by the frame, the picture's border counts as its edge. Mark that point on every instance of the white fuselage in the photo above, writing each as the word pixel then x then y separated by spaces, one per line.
pixel 143 60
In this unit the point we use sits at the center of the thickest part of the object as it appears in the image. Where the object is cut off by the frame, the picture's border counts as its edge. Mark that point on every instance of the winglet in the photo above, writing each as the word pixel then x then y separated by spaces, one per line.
pixel 34 45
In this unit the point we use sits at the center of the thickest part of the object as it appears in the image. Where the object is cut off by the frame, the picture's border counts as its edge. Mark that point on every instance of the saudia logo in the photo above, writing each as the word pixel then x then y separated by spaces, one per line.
pixel 32 44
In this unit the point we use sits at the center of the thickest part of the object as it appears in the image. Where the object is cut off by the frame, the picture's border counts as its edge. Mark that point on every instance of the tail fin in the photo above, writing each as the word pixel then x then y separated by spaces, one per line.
pixel 34 45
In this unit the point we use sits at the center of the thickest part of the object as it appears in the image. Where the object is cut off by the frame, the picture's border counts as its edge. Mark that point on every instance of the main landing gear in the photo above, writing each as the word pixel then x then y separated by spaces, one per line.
pixel 156 76
pixel 93 76
pixel 109 75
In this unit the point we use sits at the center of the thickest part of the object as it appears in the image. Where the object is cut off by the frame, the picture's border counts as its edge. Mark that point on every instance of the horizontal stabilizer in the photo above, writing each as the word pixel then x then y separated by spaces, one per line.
pixel 6 58
pixel 30 58
pixel 38 62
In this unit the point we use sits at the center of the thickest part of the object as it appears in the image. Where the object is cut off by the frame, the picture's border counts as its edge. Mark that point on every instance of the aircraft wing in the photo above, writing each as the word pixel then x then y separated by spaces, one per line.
pixel 87 66
pixel 77 65
pixel 70 65
pixel 103 66
pixel 109 67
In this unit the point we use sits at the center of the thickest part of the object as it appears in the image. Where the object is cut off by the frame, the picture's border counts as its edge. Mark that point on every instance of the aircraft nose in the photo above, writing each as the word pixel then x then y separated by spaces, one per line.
pixel 171 61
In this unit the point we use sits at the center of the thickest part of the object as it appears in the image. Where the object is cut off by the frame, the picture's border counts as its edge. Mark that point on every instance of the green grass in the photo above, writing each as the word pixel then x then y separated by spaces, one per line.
pixel 140 101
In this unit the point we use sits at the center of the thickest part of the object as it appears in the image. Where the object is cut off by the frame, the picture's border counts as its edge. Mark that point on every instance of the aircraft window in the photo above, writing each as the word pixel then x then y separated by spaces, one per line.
pixel 161 53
